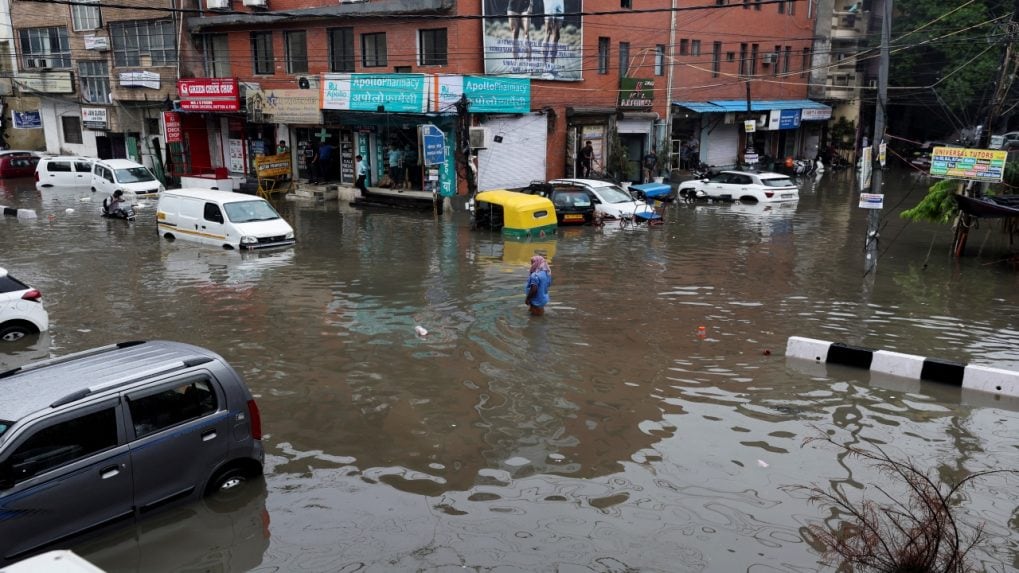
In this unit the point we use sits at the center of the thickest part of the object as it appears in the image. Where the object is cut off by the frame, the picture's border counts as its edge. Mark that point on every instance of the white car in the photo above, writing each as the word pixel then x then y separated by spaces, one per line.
pixel 742 186
pixel 63 171
pixel 21 309
pixel 110 175
pixel 611 200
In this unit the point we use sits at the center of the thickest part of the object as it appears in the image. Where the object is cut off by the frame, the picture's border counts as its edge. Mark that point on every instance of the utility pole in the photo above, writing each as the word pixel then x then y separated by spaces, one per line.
pixel 874 215
pixel 463 149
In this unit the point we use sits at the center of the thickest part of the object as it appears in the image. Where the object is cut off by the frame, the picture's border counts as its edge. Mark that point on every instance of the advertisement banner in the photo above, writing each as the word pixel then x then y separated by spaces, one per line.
pixel 26 119
pixel 209 94
pixel 171 127
pixel 94 118
pixel 283 106
pixel 540 39
pixel 403 93
pixel 972 164
pixel 272 165
pixel 486 94
pixel 636 92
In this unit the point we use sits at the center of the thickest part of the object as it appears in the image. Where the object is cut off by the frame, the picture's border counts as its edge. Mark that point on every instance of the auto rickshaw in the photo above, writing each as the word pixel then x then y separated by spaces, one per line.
pixel 514 214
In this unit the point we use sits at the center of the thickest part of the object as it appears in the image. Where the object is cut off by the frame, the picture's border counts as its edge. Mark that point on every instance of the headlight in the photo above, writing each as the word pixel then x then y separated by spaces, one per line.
pixel 160 189
pixel 290 236
pixel 248 240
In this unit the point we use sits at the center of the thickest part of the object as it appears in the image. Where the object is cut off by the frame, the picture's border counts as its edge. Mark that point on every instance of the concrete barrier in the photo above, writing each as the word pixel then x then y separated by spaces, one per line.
pixel 19 213
pixel 968 376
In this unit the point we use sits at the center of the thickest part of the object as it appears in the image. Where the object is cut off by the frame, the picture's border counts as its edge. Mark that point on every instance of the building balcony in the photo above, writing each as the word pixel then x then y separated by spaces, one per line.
pixel 843 86
pixel 848 25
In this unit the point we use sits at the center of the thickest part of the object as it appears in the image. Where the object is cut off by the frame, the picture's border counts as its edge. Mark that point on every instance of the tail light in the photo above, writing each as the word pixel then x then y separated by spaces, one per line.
pixel 769 194
pixel 32 295
pixel 256 420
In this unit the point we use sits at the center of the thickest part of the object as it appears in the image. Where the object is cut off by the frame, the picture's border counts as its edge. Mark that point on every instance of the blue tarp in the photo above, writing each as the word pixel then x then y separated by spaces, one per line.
pixel 737 105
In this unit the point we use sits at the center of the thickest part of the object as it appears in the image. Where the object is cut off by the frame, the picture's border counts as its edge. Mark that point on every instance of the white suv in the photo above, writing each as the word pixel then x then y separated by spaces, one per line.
pixel 109 175
pixel 742 186
pixel 21 309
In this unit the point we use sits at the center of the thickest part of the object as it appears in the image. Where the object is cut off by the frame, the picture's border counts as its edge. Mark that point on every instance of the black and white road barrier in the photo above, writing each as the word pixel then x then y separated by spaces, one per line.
pixel 969 376
pixel 19 213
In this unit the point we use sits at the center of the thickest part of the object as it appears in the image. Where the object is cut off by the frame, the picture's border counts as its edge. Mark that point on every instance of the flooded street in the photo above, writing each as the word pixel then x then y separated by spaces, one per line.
pixel 607 435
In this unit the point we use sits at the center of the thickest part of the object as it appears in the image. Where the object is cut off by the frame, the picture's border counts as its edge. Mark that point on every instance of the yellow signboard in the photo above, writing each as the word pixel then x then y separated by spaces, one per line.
pixel 272 165
pixel 974 164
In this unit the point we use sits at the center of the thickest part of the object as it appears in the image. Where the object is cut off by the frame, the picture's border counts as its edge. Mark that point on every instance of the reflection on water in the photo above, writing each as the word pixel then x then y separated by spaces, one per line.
pixel 613 432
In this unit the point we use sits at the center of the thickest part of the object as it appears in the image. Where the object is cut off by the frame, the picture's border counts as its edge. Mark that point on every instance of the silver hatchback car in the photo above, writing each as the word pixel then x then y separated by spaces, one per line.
pixel 112 434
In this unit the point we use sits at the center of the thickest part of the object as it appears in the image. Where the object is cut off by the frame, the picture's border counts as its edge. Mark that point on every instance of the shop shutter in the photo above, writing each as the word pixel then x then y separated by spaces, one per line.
pixel 720 147
pixel 519 158
pixel 633 126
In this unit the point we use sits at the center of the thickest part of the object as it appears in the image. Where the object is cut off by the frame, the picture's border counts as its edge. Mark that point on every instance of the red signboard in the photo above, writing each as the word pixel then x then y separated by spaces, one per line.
pixel 171 126
pixel 209 94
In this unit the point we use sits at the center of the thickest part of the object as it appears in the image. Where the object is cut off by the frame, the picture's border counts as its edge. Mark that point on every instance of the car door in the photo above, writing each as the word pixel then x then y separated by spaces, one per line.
pixel 63 476
pixel 82 173
pixel 213 221
pixel 102 180
pixel 719 185
pixel 56 173
pixel 181 431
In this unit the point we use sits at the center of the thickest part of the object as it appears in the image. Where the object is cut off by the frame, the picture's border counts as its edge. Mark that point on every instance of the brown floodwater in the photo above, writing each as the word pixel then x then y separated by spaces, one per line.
pixel 612 434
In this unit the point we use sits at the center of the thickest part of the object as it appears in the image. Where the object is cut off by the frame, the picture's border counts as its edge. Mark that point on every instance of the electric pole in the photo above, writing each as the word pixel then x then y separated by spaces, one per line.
pixel 874 215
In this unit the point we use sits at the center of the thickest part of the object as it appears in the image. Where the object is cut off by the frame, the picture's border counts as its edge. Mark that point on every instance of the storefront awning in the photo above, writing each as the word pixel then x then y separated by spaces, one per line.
pixel 738 105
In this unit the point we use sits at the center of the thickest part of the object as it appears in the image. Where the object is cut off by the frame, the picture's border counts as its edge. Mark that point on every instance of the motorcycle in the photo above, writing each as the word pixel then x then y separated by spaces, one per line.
pixel 125 214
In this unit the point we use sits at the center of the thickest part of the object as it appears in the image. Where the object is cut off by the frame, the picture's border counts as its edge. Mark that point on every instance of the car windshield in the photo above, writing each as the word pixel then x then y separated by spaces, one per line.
pixel 248 211
pixel 777 182
pixel 134 175
pixel 613 194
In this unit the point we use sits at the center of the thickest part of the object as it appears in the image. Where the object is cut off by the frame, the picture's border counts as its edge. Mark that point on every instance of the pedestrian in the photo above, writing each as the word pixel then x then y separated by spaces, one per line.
pixel 395 165
pixel 538 282
pixel 362 175
pixel 310 158
pixel 650 164
pixel 586 157
pixel 325 161
pixel 282 148
pixel 410 164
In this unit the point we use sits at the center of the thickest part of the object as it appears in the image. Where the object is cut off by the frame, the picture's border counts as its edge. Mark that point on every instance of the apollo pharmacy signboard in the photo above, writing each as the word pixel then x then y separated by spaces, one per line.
pixel 986 165
pixel 404 93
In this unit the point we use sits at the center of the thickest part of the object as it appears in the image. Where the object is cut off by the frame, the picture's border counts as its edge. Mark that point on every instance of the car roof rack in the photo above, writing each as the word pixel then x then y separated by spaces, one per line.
pixel 73 356
pixel 161 369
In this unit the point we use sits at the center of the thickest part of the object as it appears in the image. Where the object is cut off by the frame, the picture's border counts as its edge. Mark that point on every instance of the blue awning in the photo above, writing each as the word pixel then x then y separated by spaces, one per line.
pixel 738 105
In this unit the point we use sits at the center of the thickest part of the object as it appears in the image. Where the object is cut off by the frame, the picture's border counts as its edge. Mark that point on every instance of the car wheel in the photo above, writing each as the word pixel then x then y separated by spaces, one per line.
pixel 226 481
pixel 15 332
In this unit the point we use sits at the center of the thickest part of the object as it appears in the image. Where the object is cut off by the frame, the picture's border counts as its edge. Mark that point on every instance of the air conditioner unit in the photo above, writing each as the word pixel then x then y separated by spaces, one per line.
pixel 255 3
pixel 218 4
pixel 478 137
pixel 769 58
pixel 307 82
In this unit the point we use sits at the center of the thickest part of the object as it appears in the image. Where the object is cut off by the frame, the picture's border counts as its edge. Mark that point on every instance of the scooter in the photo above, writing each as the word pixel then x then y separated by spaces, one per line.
pixel 125 214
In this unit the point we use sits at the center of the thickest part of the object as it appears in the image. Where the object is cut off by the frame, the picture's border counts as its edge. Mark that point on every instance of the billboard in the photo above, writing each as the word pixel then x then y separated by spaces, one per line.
pixel 209 94
pixel 401 93
pixel 539 39
pixel 973 164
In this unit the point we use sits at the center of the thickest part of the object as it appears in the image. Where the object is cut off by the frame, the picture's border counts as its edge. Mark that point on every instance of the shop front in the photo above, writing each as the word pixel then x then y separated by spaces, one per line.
pixel 207 137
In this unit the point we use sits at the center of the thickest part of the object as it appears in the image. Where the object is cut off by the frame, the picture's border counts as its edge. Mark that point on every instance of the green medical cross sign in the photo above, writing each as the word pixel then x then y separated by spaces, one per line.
pixel 322 135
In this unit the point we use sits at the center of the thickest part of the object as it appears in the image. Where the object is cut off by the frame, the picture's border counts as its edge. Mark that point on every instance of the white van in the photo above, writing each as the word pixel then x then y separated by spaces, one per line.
pixel 222 218
pixel 63 171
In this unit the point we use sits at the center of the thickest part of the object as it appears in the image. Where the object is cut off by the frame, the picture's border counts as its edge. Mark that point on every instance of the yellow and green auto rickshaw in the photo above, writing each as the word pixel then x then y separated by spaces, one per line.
pixel 515 214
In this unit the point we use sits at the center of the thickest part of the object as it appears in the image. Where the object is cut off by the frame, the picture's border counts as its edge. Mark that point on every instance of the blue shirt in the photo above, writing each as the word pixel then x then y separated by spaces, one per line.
pixel 543 280
pixel 394 157
pixel 324 151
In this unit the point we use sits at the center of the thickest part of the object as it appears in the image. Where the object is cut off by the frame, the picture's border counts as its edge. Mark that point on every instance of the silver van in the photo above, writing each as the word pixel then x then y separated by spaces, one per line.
pixel 112 434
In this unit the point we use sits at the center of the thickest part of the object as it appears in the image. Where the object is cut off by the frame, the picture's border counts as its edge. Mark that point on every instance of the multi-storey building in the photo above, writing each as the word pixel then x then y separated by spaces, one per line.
pixel 100 74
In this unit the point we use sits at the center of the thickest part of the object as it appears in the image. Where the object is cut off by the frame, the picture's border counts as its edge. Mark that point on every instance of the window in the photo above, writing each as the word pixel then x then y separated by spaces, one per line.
pixel 716 59
pixel 774 61
pixel 781 7
pixel 684 47
pixel 744 64
pixel 58 166
pixel 786 59
pixel 626 4
pixel 754 51
pixel 261 53
pixel 720 2
pixel 172 406
pixel 341 49
pixel 746 4
pixel 695 47
pixel 95 81
pixel 217 56
pixel 82 166
pixel 659 60
pixel 603 55
pixel 624 59
pixel 432 47
pixel 297 51
pixel 401 69
pixel 85 17
pixel 373 50
pixel 757 5
pixel 791 10
pixel 143 43
pixel 72 129
pixel 45 48
pixel 805 66
pixel 64 443
pixel 730 56
pixel 212 213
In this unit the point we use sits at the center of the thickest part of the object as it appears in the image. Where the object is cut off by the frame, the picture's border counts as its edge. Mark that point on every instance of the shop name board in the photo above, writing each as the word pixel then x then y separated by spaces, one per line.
pixel 972 164
pixel 485 94
pixel 45 82
pixel 403 93
pixel 94 118
pixel 171 127
pixel 272 165
pixel 815 114
pixel 284 106
pixel 209 94
pixel 636 92
pixel 140 79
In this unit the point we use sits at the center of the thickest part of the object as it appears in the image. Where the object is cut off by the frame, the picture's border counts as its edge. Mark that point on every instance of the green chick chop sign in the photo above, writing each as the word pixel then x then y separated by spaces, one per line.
pixel 636 92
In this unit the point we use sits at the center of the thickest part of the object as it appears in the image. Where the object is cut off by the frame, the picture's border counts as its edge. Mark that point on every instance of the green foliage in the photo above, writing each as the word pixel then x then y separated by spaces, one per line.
pixel 959 54
pixel 938 206
pixel 618 161
pixel 843 132
pixel 1011 179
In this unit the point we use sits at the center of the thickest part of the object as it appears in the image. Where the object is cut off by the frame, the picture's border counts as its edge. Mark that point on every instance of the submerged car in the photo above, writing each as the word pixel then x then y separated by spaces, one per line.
pixel 573 204
pixel 610 200
pixel 21 309
pixel 63 171
pixel 742 186
pixel 124 175
pixel 16 163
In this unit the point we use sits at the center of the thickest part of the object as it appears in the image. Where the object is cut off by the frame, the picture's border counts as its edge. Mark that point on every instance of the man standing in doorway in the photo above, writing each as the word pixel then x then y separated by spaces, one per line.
pixel 586 157
pixel 310 158
pixel 362 175
pixel 325 162
pixel 396 165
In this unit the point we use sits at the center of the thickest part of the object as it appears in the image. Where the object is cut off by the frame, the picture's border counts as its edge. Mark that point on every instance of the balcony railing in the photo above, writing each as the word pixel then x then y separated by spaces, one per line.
pixel 848 25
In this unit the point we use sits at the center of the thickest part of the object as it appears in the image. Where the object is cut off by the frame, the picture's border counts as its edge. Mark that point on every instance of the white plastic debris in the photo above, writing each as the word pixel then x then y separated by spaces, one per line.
pixel 762 463
pixel 68 210
pixel 420 330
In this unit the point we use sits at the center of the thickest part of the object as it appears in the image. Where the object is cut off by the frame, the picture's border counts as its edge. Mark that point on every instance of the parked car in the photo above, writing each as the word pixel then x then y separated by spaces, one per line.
pixel 742 186
pixel 573 204
pixel 610 200
pixel 222 218
pixel 1009 141
pixel 108 435
pixel 17 163
pixel 921 156
pixel 64 171
pixel 132 178
pixel 21 309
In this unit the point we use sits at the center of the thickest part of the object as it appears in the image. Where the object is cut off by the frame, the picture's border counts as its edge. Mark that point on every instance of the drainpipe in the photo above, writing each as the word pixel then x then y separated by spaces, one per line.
pixel 668 92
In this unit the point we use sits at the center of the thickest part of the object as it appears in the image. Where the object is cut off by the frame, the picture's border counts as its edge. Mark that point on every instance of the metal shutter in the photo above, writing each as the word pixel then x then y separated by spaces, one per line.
pixel 519 158
pixel 633 126
pixel 721 146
